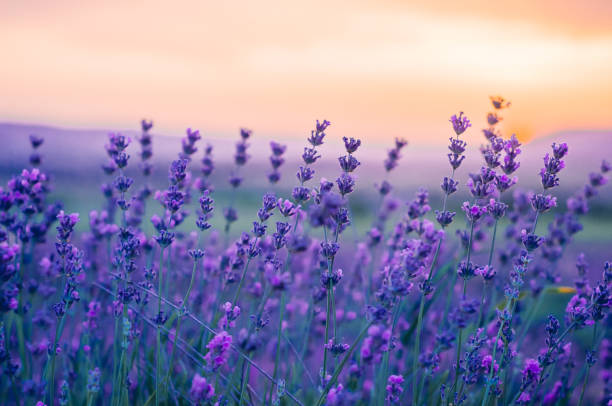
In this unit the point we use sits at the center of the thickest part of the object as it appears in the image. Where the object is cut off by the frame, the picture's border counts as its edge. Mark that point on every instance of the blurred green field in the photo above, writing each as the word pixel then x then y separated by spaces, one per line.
pixel 84 197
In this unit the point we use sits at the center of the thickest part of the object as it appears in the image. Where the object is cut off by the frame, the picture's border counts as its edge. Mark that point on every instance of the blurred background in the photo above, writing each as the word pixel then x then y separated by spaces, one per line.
pixel 376 69
pixel 73 71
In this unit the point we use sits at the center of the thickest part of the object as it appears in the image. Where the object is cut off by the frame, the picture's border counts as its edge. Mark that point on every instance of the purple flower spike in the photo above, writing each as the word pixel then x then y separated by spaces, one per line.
pixel 245 133
pixel 559 150
pixel 394 388
pixel 503 182
pixel 146 125
pixel 497 209
pixel 466 270
pixel 118 142
pixel 36 141
pixel 460 123
pixel 542 203
pixel 346 183
pixel 597 179
pixel 393 155
pixel 164 238
pixel 189 142
pixel 487 272
pixel 512 151
pixel 499 102
pixel 473 212
pixel 66 225
pixel 310 156
pixel 490 133
pixel 531 371
pixel 277 149
pixel 449 186
pixel 276 160
pixel 286 207
pixel 553 165
pixel 218 350
pixel 457 146
pixel 351 144
pixel 444 218
pixel 322 126
pixel 530 240
pixel 493 118
pixel 201 391
pixel 348 163
pixel 318 134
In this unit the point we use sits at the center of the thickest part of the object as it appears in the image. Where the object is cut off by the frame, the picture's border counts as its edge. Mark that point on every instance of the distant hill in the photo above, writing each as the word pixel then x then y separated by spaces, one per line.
pixel 79 153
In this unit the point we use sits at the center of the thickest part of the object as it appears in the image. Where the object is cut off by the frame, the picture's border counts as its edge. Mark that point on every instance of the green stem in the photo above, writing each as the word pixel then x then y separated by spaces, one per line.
pixel 20 331
pixel 333 312
pixel 243 276
pixel 419 328
pixel 457 363
pixel 511 303
pixel 300 359
pixel 178 321
pixel 204 334
pixel 122 360
pixel 158 336
pixel 21 344
pixel 385 368
pixel 458 358
pixel 530 317
pixel 115 350
pixel 327 310
pixel 340 367
pixel 300 355
pixel 327 322
pixel 484 290
pixel 245 380
pixel 588 367
pixel 119 385
pixel 469 252
pixel 491 250
pixel 278 344
pixel 485 397
pixel 58 333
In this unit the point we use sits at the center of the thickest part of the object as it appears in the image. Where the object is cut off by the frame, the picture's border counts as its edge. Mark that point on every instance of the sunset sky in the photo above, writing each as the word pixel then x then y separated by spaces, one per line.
pixel 375 69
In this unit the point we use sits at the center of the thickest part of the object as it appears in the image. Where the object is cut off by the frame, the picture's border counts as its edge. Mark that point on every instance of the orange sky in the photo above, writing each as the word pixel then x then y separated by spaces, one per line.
pixel 375 69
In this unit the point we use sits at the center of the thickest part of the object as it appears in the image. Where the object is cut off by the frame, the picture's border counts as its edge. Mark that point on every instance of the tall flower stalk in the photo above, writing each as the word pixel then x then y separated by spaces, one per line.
pixel 541 203
pixel 460 124
pixel 301 195
pixel 71 266
pixel 240 159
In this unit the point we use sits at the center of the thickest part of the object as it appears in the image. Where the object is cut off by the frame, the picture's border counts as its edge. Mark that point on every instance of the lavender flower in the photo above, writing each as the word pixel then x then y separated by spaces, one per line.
pixel 499 102
pixel 346 183
pixel 218 350
pixel 189 142
pixel 393 155
pixel 512 151
pixel 394 388
pixel 460 123
pixel 531 372
pixel 201 390
pixel 36 141
pixel 317 135
pixel 473 212
pixel 276 160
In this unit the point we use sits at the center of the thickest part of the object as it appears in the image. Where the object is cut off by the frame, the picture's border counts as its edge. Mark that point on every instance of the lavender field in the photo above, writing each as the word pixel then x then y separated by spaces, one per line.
pixel 138 269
